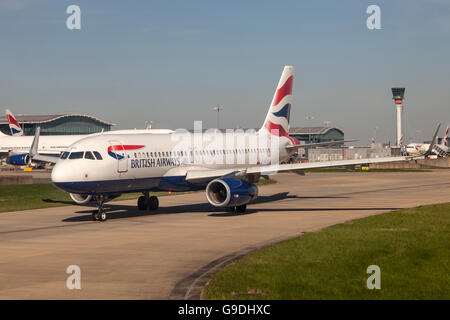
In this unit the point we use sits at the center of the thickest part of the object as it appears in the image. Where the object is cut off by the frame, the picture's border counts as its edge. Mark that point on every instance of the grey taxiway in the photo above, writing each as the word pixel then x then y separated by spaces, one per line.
pixel 170 253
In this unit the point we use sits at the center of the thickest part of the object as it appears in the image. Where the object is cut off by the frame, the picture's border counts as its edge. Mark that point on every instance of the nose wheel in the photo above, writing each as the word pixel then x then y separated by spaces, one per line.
pixel 99 214
pixel 146 202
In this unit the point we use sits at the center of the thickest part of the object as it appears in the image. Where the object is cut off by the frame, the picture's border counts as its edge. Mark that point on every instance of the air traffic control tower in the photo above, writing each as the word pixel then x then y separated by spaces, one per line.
pixel 398 94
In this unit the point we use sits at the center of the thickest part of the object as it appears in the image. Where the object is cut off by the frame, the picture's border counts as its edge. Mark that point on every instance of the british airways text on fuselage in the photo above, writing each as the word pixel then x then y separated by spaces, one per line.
pixel 151 163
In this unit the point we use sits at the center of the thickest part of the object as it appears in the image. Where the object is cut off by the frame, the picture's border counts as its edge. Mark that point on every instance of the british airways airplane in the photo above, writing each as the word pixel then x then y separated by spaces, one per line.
pixel 103 166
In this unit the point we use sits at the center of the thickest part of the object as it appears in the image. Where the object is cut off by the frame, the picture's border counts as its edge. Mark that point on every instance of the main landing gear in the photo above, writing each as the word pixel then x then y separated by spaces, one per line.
pixel 146 202
pixel 99 214
pixel 238 209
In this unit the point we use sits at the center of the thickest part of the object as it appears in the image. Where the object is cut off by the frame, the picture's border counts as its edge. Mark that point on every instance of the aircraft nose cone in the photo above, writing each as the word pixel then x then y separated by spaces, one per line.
pixel 64 177
pixel 57 173
pixel 61 177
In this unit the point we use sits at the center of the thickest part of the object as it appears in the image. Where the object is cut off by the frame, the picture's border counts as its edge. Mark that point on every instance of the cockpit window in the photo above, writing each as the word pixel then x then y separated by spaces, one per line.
pixel 65 155
pixel 97 155
pixel 89 155
pixel 76 155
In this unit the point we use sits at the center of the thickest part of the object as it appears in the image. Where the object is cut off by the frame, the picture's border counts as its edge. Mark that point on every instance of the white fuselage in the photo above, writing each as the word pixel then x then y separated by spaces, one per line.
pixel 47 144
pixel 142 162
pixel 417 148
pixel 421 148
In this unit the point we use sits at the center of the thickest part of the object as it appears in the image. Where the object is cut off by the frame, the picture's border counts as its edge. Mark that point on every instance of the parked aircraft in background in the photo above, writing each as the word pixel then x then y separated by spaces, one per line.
pixel 103 166
pixel 15 148
pixel 438 149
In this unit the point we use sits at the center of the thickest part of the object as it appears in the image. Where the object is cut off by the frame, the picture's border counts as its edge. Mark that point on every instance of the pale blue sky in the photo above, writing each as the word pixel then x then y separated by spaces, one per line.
pixel 173 61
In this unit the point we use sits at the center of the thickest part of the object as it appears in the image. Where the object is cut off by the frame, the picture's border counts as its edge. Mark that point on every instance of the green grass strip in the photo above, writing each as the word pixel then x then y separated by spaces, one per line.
pixel 411 247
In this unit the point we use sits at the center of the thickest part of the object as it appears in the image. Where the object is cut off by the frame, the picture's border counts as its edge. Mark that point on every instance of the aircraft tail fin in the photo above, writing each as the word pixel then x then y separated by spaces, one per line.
pixel 277 119
pixel 444 140
pixel 14 126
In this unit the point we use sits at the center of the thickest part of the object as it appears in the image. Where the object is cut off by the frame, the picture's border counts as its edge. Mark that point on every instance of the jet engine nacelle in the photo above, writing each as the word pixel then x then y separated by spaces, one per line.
pixel 20 159
pixel 86 198
pixel 81 198
pixel 230 192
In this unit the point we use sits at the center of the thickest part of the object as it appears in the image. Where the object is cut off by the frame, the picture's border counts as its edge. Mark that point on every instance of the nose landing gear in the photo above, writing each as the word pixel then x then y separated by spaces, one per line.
pixel 146 202
pixel 99 214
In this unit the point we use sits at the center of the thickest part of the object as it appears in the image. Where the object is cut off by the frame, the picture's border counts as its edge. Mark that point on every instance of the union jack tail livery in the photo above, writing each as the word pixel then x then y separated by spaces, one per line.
pixel 14 126
pixel 444 140
pixel 277 119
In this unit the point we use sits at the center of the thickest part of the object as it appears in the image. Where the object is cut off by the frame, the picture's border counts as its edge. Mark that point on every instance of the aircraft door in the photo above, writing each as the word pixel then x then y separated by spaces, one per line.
pixel 118 151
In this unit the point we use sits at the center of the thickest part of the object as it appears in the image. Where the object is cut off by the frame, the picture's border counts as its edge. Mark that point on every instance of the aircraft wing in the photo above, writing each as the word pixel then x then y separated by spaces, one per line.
pixel 205 174
pixel 319 144
pixel 45 158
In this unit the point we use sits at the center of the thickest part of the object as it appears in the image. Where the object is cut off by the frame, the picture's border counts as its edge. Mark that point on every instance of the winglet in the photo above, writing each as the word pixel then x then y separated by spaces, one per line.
pixel 34 155
pixel 34 145
pixel 433 142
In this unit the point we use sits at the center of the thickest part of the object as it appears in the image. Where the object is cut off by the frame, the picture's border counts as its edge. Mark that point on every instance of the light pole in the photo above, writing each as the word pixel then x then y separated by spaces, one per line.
pixel 310 118
pixel 218 109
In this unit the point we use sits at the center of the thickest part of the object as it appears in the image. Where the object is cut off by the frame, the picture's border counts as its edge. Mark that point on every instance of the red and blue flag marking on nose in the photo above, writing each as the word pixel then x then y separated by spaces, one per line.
pixel 120 147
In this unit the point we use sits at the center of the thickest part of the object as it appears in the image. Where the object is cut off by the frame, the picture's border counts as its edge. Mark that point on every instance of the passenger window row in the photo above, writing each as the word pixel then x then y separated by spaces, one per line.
pixel 80 154
pixel 197 152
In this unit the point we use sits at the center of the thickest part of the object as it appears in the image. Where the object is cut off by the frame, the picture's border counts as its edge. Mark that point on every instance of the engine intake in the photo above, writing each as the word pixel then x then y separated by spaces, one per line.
pixel 230 192
pixel 86 198
pixel 81 198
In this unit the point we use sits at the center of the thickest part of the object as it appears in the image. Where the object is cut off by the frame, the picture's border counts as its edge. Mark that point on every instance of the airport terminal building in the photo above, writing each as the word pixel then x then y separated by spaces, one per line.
pixel 316 134
pixel 58 124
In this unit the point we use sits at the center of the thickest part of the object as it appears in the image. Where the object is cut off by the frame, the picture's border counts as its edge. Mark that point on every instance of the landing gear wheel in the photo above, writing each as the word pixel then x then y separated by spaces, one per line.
pixel 153 203
pixel 142 203
pixel 102 216
pixel 241 209
pixel 95 215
